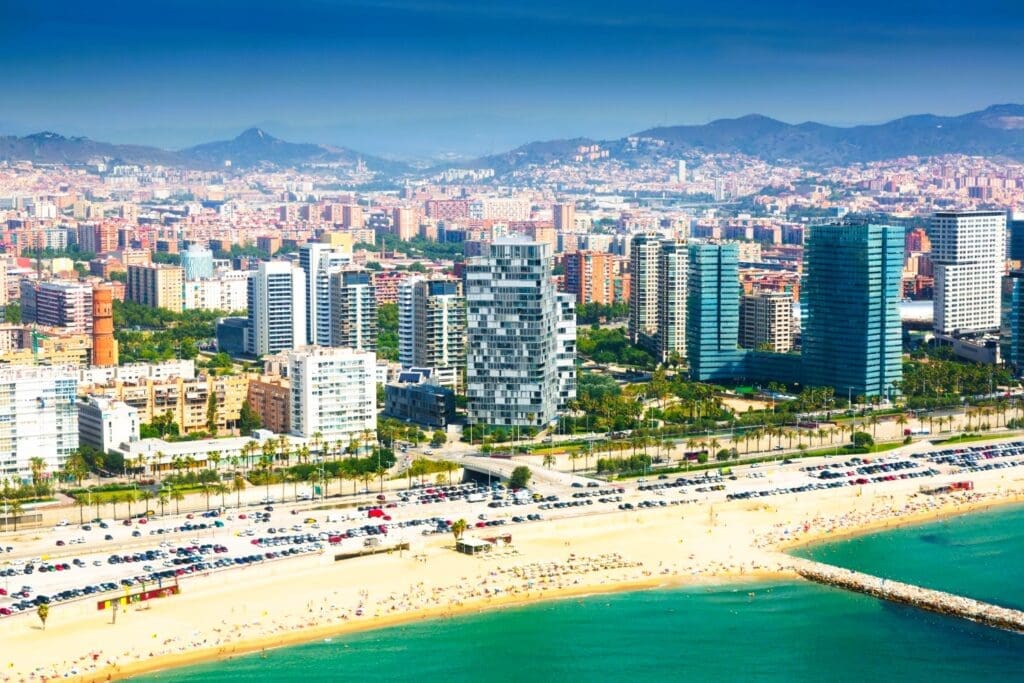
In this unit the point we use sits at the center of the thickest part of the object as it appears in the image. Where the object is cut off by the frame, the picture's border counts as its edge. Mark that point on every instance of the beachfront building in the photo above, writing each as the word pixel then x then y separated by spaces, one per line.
pixel 851 331
pixel 277 308
pixel 513 315
pixel 334 393
pixel 968 254
pixel 38 419
pixel 712 316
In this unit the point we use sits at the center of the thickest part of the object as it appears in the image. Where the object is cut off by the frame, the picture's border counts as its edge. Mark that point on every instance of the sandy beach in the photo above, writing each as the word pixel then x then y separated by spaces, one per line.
pixel 227 614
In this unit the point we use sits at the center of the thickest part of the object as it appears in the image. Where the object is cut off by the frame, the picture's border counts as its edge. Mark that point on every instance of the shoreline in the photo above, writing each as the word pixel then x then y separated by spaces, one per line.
pixel 292 604
pixel 660 582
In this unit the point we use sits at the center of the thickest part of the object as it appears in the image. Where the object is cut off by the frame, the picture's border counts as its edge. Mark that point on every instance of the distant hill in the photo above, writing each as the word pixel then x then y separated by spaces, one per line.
pixel 995 131
pixel 52 148
pixel 253 147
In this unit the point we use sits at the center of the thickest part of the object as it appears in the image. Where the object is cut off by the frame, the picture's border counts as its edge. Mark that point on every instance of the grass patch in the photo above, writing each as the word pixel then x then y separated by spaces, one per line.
pixel 972 436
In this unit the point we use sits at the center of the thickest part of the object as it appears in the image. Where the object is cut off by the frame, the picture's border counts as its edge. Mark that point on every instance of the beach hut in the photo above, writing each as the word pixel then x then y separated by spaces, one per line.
pixel 473 546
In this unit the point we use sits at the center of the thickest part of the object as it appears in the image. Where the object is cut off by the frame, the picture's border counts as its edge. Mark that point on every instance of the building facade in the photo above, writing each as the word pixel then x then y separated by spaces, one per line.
pixel 38 418
pixel 512 318
pixel 766 321
pixel 968 254
pixel 432 316
pixel 105 424
pixel 277 308
pixel 353 310
pixel 157 285
pixel 333 393
pixel 713 313
pixel 851 330
pixel 319 262
pixel 67 305
pixel 670 341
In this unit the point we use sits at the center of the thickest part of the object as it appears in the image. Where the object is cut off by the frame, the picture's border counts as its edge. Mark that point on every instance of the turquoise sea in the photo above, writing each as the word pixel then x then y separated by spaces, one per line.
pixel 757 632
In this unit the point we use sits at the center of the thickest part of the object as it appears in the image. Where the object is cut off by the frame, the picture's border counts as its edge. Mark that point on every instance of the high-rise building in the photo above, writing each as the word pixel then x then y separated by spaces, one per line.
pixel 969 254
pixel 851 331
pixel 672 276
pixel 197 262
pixel 157 285
pixel 1015 320
pixel 564 216
pixel 645 252
pixel 766 321
pixel 590 277
pixel 432 318
pixel 1016 228
pixel 713 312
pixel 353 310
pixel 319 261
pixel 40 418
pixel 565 347
pixel 334 393
pixel 681 171
pixel 277 308
pixel 104 346
pixel 407 321
pixel 404 223
pixel 513 316
pixel 67 305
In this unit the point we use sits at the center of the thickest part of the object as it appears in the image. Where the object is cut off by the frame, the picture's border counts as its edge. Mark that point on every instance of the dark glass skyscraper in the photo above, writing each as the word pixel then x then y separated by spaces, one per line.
pixel 713 313
pixel 852 337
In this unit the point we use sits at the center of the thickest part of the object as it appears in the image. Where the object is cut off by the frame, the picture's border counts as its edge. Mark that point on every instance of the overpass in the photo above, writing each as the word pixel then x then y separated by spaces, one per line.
pixel 479 468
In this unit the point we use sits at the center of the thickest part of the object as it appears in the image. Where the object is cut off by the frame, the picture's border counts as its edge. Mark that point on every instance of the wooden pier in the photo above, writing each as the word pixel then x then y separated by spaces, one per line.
pixel 908 594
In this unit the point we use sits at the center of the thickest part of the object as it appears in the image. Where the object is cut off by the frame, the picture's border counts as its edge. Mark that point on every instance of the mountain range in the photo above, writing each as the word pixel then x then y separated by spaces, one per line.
pixel 996 131
pixel 252 147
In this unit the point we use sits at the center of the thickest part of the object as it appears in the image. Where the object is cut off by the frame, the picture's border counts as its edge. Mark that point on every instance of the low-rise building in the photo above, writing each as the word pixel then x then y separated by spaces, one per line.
pixel 414 398
pixel 106 424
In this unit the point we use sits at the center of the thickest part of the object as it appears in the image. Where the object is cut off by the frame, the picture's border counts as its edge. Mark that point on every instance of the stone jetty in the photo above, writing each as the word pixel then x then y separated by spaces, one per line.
pixel 908 594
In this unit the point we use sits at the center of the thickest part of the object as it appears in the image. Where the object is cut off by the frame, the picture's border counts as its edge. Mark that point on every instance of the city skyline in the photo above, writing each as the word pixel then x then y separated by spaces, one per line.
pixel 422 78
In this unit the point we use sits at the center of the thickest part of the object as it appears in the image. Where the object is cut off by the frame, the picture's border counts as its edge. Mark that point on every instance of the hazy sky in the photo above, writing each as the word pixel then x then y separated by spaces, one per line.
pixel 406 77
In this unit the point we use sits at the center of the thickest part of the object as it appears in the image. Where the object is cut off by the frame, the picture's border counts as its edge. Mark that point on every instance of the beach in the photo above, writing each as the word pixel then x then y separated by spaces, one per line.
pixel 283 603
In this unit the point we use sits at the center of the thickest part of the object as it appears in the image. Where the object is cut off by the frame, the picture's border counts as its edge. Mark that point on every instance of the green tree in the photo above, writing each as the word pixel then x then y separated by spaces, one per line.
pixel 248 419
pixel 211 410
pixel 438 439
pixel 459 527
pixel 12 312
pixel 520 477
pixel 43 612
pixel 863 440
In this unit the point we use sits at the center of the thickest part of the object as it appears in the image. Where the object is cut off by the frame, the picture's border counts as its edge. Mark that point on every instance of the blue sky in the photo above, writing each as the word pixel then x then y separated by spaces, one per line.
pixel 416 77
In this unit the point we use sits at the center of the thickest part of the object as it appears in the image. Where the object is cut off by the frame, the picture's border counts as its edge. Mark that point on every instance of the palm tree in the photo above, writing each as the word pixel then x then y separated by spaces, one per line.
pixel 206 492
pixel 146 496
pixel 449 467
pixel 162 499
pixel 214 458
pixel 14 512
pixel 459 527
pixel 81 507
pixel 177 496
pixel 115 498
pixel 380 472
pixel 901 422
pixel 237 486
pixel 130 497
pixel 317 439
pixel 366 478
pixel 549 460
pixel 573 457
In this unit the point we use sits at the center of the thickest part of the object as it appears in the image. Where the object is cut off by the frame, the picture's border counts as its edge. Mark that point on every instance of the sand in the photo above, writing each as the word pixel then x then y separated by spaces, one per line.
pixel 227 614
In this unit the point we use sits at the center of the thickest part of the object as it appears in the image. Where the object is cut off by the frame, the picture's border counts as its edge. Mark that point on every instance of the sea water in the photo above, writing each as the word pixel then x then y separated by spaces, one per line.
pixel 790 631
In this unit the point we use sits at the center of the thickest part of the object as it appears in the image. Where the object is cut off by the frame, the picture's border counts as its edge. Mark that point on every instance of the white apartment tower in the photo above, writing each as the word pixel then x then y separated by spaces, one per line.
pixel 333 393
pixel 319 261
pixel 969 254
pixel 406 321
pixel 432 318
pixel 38 418
pixel 645 250
pixel 277 308
pixel 513 316
pixel 672 272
